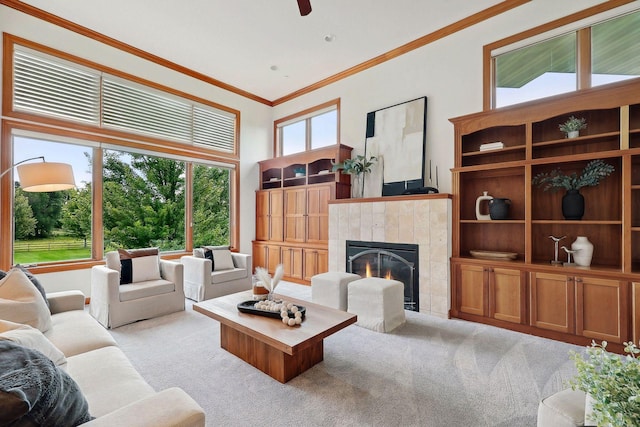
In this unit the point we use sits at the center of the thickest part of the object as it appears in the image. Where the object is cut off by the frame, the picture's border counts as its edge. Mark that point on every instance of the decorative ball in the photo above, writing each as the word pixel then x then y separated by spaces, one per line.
pixel 285 320
pixel 291 322
pixel 298 320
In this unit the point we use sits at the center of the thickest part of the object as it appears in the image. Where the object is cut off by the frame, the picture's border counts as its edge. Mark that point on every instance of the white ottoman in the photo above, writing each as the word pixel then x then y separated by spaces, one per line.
pixel 563 409
pixel 330 289
pixel 379 303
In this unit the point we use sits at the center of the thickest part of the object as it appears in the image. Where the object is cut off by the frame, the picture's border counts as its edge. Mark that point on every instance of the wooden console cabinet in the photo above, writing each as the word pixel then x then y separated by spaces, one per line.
pixel 292 211
pixel 528 293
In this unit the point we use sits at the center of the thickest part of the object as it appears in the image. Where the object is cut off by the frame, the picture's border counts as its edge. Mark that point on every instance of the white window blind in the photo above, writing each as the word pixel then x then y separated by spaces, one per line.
pixel 215 129
pixel 131 108
pixel 54 87
pixel 46 84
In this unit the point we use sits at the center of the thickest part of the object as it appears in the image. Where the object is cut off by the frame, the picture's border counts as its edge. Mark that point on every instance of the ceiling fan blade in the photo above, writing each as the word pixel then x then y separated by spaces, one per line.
pixel 305 7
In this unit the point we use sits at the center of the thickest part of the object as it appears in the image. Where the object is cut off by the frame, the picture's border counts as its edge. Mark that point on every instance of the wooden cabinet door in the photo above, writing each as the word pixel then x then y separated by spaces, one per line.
pixel 276 217
pixel 507 295
pixel 273 258
pixel 601 309
pixel 259 255
pixel 552 302
pixel 262 215
pixel 472 289
pixel 318 213
pixel 292 262
pixel 295 205
pixel 316 261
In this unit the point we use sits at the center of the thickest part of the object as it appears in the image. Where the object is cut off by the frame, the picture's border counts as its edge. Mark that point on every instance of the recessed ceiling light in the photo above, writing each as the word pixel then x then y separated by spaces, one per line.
pixel 274 67
pixel 329 38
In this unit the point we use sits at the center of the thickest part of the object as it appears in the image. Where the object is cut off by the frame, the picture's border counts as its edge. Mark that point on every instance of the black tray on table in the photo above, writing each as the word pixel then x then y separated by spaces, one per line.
pixel 248 307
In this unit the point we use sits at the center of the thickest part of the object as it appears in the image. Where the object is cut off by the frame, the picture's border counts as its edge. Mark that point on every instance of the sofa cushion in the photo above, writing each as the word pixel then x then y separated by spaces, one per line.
pixel 139 265
pixel 75 332
pixel 21 302
pixel 107 379
pixel 50 397
pixel 227 275
pixel 146 289
pixel 32 338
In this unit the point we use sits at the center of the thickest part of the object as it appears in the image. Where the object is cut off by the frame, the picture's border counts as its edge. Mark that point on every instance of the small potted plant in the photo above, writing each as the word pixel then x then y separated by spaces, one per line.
pixel 573 126
pixel 612 384
pixel 357 167
pixel 573 201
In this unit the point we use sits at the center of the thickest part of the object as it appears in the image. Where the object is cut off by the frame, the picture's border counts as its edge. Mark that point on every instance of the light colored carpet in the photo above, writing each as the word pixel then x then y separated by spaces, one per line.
pixel 429 372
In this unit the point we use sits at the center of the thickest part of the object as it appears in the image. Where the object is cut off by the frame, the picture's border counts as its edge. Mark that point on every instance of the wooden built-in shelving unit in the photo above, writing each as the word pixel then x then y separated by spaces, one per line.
pixel 574 304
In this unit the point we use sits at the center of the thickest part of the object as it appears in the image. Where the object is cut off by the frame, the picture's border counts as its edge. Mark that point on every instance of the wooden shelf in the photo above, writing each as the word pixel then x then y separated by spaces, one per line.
pixel 529 294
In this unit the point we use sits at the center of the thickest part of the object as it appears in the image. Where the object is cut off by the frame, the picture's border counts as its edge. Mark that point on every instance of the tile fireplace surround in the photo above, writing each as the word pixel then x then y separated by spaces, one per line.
pixel 424 220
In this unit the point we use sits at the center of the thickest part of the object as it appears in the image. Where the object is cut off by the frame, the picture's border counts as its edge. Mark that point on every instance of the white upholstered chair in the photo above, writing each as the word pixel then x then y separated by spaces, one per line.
pixel 214 271
pixel 135 285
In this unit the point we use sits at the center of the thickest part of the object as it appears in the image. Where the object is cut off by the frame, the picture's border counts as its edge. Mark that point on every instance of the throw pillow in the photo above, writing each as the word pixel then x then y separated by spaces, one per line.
pixel 207 252
pixel 21 302
pixel 32 338
pixel 139 265
pixel 36 392
pixel 222 260
pixel 35 282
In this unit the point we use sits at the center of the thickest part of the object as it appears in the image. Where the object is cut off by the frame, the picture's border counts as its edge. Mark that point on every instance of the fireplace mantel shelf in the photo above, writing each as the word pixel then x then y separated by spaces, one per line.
pixel 392 198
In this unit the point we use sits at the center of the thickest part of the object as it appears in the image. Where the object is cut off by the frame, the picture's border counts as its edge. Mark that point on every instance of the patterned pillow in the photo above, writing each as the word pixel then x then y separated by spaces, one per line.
pixel 21 302
pixel 139 265
pixel 220 256
pixel 34 391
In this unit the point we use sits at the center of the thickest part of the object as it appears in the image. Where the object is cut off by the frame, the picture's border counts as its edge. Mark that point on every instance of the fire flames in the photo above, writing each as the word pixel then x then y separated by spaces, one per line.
pixel 387 275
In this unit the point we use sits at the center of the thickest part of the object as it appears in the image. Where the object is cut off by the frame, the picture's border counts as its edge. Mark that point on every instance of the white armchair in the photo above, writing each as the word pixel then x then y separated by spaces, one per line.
pixel 207 278
pixel 150 294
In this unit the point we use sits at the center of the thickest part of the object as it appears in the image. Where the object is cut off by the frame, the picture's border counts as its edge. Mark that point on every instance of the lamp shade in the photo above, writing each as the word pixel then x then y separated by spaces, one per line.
pixel 46 176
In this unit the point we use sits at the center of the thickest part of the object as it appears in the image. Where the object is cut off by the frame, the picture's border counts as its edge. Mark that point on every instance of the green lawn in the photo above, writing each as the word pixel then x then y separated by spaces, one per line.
pixel 56 248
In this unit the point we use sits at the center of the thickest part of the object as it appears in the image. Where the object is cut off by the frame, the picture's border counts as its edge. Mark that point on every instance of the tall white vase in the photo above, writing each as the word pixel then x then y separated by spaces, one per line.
pixel 584 252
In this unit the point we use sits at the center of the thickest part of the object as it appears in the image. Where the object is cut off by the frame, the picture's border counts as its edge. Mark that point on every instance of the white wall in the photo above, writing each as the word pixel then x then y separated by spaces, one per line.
pixel 255 131
pixel 448 72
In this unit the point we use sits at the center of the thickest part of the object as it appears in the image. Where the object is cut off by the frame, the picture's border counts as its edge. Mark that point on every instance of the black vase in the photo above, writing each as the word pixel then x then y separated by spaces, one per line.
pixel 573 205
pixel 499 208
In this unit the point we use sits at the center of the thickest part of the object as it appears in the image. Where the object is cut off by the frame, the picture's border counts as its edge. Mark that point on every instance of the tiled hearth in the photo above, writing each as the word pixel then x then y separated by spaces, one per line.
pixel 424 220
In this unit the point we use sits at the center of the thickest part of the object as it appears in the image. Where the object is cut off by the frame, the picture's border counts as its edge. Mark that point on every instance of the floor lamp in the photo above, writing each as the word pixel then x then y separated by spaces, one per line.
pixel 43 177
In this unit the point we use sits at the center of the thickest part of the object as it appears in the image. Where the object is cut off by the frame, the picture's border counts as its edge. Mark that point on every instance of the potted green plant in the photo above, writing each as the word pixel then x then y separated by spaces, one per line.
pixel 573 201
pixel 573 126
pixel 612 384
pixel 358 167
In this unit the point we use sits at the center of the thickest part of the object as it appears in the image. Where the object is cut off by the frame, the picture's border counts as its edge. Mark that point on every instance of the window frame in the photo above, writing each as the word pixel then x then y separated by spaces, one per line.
pixel 546 31
pixel 305 115
pixel 47 125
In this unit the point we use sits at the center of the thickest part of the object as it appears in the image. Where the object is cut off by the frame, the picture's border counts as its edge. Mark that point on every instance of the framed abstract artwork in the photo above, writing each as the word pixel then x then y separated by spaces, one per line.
pixel 396 135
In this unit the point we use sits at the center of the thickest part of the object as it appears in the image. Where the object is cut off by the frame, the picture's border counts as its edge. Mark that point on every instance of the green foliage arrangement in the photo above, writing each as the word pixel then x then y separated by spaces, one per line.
pixel 356 166
pixel 573 124
pixel 613 381
pixel 592 174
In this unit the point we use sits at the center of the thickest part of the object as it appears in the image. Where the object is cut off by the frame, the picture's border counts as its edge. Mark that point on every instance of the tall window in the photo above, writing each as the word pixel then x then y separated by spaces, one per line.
pixel 146 160
pixel 53 226
pixel 307 130
pixel 143 201
pixel 551 67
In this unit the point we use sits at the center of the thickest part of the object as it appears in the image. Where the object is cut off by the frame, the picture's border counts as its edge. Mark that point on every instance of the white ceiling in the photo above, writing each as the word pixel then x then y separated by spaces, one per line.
pixel 238 41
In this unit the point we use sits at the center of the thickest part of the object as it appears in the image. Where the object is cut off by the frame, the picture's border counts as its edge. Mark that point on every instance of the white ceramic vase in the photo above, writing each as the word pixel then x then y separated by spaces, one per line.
pixel 584 251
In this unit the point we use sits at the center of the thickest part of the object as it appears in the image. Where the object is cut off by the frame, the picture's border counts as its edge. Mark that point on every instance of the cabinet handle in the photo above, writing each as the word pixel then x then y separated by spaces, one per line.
pixel 578 280
pixel 569 279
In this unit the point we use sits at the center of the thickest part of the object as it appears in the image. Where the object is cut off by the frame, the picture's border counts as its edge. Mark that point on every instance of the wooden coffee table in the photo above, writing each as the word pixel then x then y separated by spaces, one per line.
pixel 281 351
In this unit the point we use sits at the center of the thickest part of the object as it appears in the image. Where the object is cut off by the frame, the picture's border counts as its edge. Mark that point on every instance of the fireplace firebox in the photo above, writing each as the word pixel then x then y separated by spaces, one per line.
pixel 397 261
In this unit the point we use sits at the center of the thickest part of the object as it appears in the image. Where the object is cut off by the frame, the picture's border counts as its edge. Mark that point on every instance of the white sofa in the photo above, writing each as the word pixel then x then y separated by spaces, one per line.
pixel 116 394
pixel 113 304
pixel 202 282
